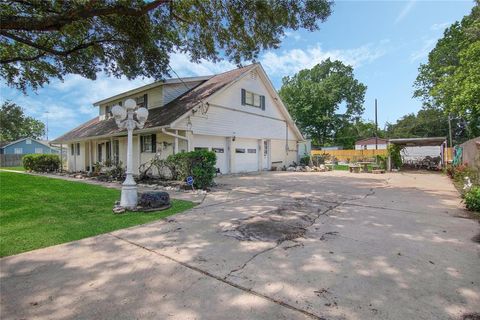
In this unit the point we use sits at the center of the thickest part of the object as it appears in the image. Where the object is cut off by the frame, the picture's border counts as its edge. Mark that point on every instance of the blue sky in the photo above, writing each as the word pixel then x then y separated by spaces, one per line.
pixel 385 42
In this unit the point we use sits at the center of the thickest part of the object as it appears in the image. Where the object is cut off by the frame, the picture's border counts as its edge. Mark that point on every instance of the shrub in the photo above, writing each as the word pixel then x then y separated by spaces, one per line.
pixel 472 199
pixel 382 161
pixel 41 162
pixel 305 160
pixel 198 164
pixel 394 152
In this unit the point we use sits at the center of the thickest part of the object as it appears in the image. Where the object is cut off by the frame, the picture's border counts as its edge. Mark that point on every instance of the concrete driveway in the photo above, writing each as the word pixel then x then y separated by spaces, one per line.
pixel 269 246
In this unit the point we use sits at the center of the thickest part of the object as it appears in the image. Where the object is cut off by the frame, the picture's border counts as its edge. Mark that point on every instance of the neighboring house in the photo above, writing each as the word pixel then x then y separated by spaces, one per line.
pixel 369 144
pixel 237 114
pixel 26 146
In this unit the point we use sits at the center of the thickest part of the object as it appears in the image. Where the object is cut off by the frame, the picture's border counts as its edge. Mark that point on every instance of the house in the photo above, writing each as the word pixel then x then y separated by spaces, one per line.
pixel 369 144
pixel 26 146
pixel 237 114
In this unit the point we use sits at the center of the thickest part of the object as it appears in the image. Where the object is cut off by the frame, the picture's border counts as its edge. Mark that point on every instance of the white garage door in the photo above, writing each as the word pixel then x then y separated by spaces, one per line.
pixel 215 144
pixel 246 155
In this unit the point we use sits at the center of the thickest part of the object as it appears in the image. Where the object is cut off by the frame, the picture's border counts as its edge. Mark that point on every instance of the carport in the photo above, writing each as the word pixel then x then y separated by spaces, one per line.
pixel 419 142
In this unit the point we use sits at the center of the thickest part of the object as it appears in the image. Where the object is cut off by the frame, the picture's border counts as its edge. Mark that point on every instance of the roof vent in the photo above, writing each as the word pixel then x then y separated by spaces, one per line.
pixel 253 75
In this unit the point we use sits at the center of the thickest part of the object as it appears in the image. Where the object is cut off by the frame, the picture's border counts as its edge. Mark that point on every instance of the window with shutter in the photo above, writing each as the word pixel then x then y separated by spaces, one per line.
pixel 253 99
pixel 148 143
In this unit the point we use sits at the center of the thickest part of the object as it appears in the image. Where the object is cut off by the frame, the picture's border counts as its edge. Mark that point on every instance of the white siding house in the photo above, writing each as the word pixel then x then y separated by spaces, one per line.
pixel 237 114
pixel 369 144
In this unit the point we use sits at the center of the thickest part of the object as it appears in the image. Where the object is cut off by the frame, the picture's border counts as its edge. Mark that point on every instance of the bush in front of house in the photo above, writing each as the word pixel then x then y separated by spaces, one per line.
pixel 41 162
pixel 305 160
pixel 198 164
pixel 472 199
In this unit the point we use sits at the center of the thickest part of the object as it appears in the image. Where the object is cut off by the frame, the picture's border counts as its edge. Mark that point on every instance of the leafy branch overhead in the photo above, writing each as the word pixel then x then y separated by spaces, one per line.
pixel 40 40
pixel 450 80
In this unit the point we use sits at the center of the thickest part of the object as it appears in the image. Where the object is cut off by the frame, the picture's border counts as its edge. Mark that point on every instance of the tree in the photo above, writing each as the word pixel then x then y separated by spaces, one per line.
pixel 15 125
pixel 428 122
pixel 44 39
pixel 350 132
pixel 314 96
pixel 450 80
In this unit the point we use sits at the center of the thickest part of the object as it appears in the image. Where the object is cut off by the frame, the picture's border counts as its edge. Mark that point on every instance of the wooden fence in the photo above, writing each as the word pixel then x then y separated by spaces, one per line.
pixel 351 155
pixel 11 160
pixel 356 155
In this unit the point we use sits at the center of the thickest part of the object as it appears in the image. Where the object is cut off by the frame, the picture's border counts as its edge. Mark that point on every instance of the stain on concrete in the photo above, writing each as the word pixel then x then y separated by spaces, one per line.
pixel 288 222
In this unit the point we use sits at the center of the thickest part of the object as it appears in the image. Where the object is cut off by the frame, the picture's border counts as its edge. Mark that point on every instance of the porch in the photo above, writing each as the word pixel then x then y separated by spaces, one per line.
pixel 83 155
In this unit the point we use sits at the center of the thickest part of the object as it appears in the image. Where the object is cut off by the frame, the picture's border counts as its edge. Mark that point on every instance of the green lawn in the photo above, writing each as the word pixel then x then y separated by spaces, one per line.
pixel 340 167
pixel 37 212
pixel 13 168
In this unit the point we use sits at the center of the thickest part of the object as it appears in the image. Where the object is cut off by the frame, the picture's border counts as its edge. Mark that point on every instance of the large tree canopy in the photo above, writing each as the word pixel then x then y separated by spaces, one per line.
pixel 450 80
pixel 15 125
pixel 314 97
pixel 44 39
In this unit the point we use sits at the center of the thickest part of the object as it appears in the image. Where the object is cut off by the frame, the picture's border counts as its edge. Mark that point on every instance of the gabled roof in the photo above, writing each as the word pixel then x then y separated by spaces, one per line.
pixel 160 116
pixel 370 141
pixel 7 144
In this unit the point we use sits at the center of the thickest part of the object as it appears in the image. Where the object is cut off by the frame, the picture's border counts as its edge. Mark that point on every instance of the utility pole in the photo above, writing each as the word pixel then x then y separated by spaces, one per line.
pixel 376 126
pixel 450 129
pixel 46 112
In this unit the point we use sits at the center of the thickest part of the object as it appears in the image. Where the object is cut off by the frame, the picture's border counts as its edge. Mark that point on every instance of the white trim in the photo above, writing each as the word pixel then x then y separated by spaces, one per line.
pixel 151 86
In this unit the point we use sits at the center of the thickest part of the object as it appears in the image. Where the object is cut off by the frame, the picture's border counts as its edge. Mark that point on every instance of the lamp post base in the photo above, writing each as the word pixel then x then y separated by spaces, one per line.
pixel 129 197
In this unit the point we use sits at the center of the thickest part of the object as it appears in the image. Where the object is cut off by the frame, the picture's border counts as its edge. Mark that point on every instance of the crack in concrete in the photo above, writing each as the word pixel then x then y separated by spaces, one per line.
pixel 218 278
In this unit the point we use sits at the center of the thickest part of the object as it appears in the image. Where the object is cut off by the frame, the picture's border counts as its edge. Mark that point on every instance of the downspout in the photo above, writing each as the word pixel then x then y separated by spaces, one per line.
pixel 286 137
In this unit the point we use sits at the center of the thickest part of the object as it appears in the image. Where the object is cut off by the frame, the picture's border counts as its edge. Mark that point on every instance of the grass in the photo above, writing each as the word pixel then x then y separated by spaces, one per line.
pixel 13 168
pixel 37 212
pixel 343 167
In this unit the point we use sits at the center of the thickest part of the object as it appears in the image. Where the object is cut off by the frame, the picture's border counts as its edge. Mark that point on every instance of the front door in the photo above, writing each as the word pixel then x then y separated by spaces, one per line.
pixel 266 155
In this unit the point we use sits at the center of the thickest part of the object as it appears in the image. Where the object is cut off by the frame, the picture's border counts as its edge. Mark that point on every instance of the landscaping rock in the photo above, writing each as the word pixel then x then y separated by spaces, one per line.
pixel 117 209
pixel 154 200
pixel 308 169
pixel 291 169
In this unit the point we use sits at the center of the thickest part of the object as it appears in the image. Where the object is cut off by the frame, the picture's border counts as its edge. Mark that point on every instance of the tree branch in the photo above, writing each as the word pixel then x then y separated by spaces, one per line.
pixel 21 59
pixel 53 51
pixel 56 22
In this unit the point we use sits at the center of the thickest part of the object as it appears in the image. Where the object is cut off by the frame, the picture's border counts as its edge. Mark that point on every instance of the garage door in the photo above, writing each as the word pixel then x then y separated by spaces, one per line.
pixel 246 155
pixel 215 144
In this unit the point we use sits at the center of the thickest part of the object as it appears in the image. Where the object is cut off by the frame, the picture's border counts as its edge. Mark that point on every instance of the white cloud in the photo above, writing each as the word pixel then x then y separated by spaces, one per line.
pixel 405 10
pixel 184 67
pixel 423 52
pixel 439 26
pixel 291 61
pixel 291 34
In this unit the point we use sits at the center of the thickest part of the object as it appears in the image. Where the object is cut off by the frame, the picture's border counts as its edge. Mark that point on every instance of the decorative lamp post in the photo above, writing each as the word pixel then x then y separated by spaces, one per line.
pixel 124 119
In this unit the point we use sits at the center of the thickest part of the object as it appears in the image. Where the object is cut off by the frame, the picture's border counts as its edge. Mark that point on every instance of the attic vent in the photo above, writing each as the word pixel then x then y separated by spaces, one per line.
pixel 253 75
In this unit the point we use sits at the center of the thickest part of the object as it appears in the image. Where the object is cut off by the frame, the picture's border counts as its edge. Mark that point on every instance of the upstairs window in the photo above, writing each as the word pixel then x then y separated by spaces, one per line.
pixel 72 149
pixel 108 112
pixel 78 149
pixel 142 101
pixel 253 99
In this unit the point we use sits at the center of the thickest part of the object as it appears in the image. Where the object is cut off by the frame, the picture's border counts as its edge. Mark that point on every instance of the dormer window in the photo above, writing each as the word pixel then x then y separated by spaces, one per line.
pixel 142 101
pixel 108 112
pixel 253 99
